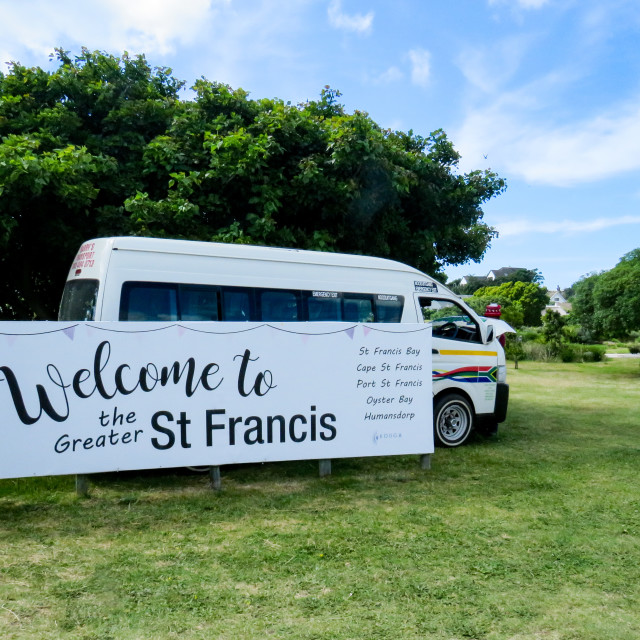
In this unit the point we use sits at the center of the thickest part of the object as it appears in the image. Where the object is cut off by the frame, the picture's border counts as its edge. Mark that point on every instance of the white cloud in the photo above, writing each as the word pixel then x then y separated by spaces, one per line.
pixel 392 74
pixel 568 227
pixel 489 68
pixel 242 44
pixel 541 152
pixel 156 25
pixel 357 22
pixel 545 130
pixel 149 26
pixel 420 66
pixel 524 4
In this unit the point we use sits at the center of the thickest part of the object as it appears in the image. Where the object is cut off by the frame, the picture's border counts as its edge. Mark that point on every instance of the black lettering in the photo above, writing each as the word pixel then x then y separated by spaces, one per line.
pixel 324 423
pixel 211 369
pixel 232 429
pixel 263 382
pixel 43 398
pixel 118 418
pixel 257 430
pixel 183 421
pixel 148 372
pixel 81 376
pixel 177 373
pixel 211 425
pixel 164 430
pixel 292 428
pixel 313 424
pixel 62 444
pixel 99 367
pixel 283 428
pixel 120 384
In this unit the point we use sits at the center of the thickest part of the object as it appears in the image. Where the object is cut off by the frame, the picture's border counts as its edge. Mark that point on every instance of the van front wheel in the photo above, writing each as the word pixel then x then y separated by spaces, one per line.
pixel 452 420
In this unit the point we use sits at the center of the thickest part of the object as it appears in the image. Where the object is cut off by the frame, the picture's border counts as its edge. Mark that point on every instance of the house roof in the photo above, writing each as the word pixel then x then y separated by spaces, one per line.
pixel 557 295
pixel 503 271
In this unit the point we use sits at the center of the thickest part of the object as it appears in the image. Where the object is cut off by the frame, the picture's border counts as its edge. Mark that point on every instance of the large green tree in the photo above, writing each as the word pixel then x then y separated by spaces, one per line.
pixel 607 304
pixel 71 152
pixel 106 145
pixel 523 302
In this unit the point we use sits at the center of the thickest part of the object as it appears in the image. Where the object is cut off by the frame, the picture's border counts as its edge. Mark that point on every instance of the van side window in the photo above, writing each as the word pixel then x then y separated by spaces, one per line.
pixel 357 308
pixel 449 320
pixel 389 308
pixel 79 300
pixel 324 306
pixel 278 305
pixel 198 302
pixel 168 301
pixel 236 305
pixel 141 301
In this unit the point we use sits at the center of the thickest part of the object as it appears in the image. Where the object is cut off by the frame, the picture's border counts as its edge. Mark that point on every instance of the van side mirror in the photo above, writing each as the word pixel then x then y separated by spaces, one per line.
pixel 490 334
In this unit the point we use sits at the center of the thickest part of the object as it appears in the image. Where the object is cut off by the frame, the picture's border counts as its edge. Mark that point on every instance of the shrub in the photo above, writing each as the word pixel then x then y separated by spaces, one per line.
pixel 513 348
pixel 537 351
pixel 577 333
pixel 569 353
pixel 634 348
pixel 530 334
pixel 593 353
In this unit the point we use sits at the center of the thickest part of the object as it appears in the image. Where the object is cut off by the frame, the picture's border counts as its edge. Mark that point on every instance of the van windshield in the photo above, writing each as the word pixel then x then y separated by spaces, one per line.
pixel 79 300
pixel 449 320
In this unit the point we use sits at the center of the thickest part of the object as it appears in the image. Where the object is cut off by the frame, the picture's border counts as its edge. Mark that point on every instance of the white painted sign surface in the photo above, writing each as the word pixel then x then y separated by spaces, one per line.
pixel 99 396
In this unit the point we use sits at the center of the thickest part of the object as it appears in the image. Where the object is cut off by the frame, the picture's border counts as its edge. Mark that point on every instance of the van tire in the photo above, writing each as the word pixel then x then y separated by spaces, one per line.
pixel 452 420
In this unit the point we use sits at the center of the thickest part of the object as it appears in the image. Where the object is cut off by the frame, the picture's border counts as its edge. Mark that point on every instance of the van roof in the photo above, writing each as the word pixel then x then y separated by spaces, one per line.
pixel 253 252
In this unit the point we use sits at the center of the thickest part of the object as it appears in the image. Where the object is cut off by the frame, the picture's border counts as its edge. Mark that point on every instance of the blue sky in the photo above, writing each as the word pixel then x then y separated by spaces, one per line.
pixel 545 92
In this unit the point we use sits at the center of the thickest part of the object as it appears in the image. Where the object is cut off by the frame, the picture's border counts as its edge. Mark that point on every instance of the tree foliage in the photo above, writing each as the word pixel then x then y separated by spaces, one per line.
pixel 608 304
pixel 554 331
pixel 105 145
pixel 478 282
pixel 525 300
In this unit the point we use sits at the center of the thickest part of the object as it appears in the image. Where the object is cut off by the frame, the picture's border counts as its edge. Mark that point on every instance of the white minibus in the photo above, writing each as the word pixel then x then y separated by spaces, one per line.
pixel 152 279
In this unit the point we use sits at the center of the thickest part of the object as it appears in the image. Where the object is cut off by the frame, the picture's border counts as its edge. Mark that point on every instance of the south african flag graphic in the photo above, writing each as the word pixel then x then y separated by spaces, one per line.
pixel 468 374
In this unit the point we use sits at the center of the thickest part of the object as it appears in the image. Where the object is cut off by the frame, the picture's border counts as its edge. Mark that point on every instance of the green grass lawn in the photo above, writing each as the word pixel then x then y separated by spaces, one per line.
pixel 533 534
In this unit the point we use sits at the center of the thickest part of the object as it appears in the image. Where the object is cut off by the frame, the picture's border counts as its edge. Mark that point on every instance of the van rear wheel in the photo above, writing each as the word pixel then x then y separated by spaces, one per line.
pixel 452 420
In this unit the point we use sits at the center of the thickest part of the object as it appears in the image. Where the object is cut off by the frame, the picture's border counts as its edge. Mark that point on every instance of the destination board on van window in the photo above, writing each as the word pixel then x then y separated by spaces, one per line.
pixel 93 397
pixel 426 286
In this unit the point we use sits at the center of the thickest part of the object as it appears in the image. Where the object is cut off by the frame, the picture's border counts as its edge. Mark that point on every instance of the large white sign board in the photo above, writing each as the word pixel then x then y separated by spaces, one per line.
pixel 99 396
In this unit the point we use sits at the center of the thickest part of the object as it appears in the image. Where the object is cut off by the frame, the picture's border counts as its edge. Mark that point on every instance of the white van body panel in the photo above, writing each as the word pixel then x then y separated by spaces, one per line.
pixel 463 362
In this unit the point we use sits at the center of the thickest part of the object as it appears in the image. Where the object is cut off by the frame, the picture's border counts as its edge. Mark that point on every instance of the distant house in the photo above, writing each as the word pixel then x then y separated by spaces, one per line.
pixel 465 280
pixel 494 274
pixel 557 302
pixel 503 272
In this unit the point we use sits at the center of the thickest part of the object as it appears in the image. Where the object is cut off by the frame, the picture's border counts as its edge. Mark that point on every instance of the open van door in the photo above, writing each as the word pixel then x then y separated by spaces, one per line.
pixel 466 357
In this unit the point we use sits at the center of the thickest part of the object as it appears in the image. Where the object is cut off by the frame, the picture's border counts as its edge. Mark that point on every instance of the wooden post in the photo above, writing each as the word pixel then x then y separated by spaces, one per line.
pixel 425 461
pixel 216 479
pixel 324 468
pixel 82 485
